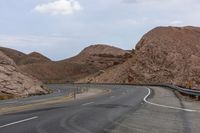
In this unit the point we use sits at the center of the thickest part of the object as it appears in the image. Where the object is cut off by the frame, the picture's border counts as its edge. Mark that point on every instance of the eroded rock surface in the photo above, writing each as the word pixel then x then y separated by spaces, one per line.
pixel 163 55
pixel 14 84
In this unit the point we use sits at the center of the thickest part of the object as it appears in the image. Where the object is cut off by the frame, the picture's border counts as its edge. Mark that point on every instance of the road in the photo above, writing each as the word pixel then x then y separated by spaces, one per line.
pixel 126 109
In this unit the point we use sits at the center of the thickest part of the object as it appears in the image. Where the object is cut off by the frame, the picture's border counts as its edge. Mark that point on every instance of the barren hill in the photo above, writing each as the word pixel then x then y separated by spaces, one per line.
pixel 58 72
pixel 13 54
pixel 22 58
pixel 91 60
pixel 14 83
pixel 163 55
pixel 33 57
pixel 101 56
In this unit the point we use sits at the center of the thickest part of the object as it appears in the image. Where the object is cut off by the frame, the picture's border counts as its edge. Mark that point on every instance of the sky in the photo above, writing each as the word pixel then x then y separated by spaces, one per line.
pixel 62 28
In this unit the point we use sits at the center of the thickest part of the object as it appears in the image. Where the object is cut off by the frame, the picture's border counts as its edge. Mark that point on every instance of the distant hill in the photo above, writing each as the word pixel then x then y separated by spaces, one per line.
pixel 92 59
pixel 101 56
pixel 58 72
pixel 32 58
pixel 22 58
pixel 163 55
pixel 13 54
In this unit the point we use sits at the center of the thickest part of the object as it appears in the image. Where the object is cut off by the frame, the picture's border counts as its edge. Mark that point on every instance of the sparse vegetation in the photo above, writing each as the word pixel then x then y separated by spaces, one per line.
pixel 5 96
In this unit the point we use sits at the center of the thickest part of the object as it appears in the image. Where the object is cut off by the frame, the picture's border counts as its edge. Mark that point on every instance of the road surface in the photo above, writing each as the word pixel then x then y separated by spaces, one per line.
pixel 126 109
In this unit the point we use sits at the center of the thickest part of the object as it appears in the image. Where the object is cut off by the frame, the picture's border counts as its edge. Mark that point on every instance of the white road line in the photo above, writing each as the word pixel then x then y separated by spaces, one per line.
pixel 17 122
pixel 165 106
pixel 87 103
pixel 11 102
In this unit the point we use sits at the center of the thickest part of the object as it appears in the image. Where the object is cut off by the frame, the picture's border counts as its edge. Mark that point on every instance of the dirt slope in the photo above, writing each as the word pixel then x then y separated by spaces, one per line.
pixel 58 72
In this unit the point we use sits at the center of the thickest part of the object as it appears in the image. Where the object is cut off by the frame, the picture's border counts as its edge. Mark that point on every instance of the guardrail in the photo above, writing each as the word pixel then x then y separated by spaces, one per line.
pixel 190 92
pixel 72 90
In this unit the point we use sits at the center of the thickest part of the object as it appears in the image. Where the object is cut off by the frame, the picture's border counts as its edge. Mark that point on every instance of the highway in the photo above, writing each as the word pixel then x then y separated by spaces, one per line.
pixel 126 109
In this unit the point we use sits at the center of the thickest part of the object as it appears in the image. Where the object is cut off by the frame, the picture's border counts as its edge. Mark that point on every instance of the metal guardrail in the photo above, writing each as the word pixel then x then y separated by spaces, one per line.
pixel 195 93
pixel 183 90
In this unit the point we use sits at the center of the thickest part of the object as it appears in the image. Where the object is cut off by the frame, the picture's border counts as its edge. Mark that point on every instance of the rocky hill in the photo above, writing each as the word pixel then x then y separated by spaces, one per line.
pixel 58 72
pixel 15 55
pixel 163 55
pixel 91 60
pixel 101 56
pixel 14 83
pixel 22 59
pixel 32 58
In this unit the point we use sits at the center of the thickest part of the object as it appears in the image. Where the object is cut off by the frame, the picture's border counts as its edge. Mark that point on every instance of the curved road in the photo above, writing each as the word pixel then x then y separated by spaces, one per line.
pixel 127 109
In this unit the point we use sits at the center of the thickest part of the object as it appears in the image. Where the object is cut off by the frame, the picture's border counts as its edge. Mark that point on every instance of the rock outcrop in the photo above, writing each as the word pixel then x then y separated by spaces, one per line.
pixel 163 55
pixel 15 84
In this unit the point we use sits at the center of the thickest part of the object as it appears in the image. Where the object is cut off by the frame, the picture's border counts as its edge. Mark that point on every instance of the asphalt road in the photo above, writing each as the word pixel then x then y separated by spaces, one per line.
pixel 127 109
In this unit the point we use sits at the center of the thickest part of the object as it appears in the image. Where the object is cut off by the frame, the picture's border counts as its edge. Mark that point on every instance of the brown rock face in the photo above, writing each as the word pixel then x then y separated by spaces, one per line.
pixel 14 83
pixel 163 55
pixel 169 55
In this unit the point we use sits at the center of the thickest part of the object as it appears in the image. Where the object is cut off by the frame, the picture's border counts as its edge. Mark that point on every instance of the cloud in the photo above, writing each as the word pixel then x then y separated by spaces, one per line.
pixel 177 23
pixel 141 1
pixel 31 40
pixel 53 47
pixel 130 1
pixel 59 7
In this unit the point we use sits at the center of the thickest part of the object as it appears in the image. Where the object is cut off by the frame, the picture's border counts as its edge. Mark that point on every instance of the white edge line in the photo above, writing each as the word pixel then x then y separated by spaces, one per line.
pixel 165 106
pixel 17 122
pixel 87 103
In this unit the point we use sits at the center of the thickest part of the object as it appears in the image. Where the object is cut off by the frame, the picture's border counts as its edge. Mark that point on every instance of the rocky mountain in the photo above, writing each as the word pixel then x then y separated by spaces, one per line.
pixel 163 55
pixel 14 83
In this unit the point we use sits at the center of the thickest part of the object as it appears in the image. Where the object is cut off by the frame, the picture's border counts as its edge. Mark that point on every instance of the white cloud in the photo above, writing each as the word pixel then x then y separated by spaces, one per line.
pixel 31 40
pixel 59 7
pixel 177 23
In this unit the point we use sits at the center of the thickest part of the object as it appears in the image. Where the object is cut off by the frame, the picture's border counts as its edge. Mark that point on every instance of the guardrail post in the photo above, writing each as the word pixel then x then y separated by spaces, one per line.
pixel 74 93
pixel 198 98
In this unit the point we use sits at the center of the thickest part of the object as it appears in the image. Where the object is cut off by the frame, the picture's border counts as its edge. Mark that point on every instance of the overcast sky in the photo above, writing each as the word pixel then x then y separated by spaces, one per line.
pixel 61 28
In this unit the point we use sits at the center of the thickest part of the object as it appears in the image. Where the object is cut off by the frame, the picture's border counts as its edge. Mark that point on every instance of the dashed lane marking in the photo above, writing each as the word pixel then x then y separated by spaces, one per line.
pixel 17 122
